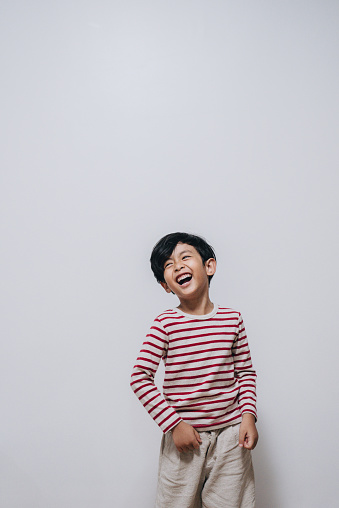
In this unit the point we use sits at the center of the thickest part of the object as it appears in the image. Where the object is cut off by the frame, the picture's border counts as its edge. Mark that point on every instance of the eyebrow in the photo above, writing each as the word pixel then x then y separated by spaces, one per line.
pixel 180 254
pixel 183 252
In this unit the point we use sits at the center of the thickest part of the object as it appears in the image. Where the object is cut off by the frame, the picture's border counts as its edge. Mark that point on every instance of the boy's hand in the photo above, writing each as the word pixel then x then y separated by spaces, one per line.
pixel 185 437
pixel 248 434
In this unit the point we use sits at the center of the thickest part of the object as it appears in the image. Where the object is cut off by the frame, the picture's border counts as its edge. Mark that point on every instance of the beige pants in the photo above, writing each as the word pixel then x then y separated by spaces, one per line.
pixel 218 475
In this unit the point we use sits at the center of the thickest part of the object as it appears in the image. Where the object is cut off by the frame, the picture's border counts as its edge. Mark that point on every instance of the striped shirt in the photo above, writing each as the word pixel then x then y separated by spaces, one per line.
pixel 209 378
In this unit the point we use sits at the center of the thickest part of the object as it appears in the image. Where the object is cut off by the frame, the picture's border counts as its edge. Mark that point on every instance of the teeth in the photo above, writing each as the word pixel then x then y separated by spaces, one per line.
pixel 184 276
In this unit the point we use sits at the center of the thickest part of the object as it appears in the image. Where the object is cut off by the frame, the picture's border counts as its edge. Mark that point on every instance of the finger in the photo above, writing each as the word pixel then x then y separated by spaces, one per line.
pixel 196 445
pixel 253 445
pixel 249 442
pixel 197 435
pixel 255 440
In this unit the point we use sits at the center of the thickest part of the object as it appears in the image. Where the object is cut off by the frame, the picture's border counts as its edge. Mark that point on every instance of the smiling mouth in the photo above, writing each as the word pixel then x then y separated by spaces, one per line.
pixel 184 278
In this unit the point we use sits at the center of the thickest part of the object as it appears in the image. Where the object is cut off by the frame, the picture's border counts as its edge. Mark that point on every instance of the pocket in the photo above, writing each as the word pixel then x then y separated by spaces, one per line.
pixel 163 444
pixel 169 449
pixel 236 429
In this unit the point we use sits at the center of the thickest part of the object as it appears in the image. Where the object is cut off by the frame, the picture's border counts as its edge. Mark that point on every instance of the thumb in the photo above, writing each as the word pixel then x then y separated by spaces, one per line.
pixel 242 435
pixel 197 435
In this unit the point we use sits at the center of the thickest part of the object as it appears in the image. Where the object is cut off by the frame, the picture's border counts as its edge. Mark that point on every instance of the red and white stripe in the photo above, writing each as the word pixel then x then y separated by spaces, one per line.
pixel 209 378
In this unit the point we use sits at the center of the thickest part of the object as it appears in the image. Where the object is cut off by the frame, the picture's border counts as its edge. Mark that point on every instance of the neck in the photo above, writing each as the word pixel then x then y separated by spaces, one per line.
pixel 198 307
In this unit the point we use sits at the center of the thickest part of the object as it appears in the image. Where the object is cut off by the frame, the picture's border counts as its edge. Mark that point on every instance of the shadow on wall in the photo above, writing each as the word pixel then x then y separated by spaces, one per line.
pixel 265 477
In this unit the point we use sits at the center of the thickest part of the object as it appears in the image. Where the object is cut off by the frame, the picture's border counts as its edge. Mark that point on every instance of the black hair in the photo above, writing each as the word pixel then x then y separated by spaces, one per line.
pixel 166 245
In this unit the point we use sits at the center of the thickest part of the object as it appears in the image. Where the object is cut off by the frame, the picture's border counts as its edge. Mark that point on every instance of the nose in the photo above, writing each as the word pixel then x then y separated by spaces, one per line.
pixel 178 265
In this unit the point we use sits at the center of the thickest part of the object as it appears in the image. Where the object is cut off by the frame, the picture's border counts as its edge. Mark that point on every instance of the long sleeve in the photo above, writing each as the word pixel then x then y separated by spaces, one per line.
pixel 142 380
pixel 244 372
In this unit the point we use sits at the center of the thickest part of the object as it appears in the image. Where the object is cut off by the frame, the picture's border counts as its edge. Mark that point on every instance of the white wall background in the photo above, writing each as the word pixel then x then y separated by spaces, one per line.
pixel 122 121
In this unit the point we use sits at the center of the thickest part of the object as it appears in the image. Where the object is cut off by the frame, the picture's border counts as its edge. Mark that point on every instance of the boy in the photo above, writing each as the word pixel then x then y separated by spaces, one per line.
pixel 208 411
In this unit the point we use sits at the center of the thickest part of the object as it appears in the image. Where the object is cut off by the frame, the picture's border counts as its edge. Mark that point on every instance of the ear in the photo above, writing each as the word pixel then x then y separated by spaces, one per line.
pixel 166 288
pixel 211 266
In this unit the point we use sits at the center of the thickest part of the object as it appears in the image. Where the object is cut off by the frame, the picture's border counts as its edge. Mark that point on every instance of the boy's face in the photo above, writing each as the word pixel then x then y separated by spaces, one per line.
pixel 185 274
